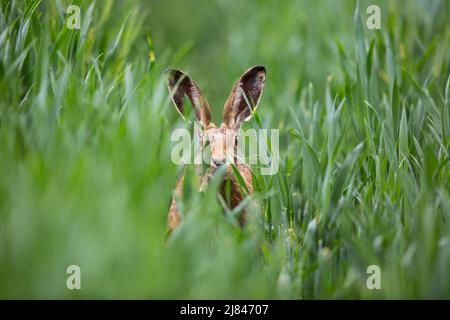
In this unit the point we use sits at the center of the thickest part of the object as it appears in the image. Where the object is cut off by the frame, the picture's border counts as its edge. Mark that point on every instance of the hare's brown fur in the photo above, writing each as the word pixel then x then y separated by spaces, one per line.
pixel 173 219
pixel 243 99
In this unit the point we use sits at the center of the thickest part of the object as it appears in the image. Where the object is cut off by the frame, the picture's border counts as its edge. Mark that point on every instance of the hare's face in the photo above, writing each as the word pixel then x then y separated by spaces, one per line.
pixel 221 142
pixel 241 103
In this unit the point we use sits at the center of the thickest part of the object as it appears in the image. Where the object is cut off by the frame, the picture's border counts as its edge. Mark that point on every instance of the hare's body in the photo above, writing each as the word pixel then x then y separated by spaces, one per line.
pixel 236 195
pixel 243 99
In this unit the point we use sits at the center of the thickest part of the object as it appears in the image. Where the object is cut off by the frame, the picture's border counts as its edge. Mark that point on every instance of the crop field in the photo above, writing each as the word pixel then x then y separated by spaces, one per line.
pixel 86 176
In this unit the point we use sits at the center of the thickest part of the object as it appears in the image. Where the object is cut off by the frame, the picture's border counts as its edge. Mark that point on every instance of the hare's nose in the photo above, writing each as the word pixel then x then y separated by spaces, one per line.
pixel 217 162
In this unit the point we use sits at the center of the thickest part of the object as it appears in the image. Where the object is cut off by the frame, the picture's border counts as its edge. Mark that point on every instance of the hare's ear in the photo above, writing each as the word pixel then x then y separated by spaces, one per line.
pixel 244 97
pixel 181 85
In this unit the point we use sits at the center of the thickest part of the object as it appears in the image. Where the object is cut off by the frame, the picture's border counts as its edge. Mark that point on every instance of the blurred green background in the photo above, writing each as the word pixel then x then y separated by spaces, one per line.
pixel 86 177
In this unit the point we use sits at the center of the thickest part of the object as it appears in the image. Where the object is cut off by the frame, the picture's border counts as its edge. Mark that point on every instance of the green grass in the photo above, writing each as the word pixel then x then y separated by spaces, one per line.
pixel 85 170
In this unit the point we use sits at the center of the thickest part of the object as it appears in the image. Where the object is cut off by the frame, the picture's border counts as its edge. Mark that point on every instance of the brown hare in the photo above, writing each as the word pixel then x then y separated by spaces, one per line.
pixel 242 101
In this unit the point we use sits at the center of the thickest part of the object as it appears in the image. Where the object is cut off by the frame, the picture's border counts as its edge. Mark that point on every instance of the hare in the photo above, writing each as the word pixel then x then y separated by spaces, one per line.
pixel 241 103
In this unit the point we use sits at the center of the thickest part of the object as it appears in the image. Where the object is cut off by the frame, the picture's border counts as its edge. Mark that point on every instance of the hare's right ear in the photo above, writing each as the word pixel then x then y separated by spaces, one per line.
pixel 181 85
pixel 244 97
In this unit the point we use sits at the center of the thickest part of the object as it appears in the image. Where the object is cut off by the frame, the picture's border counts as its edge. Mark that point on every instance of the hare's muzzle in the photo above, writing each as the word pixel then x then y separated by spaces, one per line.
pixel 221 144
pixel 217 162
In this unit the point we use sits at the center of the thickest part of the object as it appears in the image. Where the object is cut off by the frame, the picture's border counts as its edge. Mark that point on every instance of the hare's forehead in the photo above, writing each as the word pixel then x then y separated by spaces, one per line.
pixel 213 133
pixel 220 132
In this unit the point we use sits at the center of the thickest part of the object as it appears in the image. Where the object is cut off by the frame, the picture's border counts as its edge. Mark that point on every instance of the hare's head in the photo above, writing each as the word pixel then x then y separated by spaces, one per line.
pixel 241 103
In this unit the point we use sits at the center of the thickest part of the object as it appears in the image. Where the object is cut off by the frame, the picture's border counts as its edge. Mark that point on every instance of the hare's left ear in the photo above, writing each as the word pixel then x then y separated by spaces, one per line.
pixel 181 85
pixel 244 97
